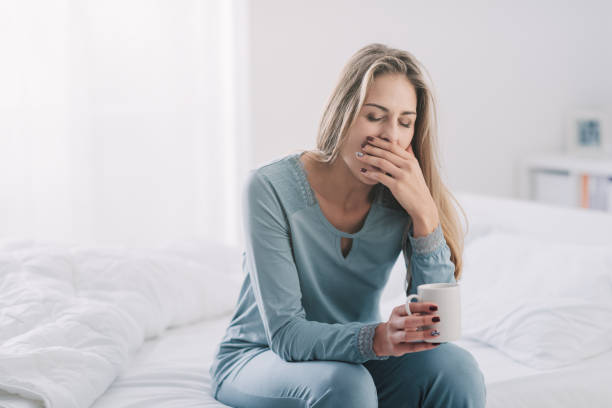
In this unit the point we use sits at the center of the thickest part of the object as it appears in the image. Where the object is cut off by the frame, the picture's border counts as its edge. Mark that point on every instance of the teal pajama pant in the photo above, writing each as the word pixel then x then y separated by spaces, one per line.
pixel 446 376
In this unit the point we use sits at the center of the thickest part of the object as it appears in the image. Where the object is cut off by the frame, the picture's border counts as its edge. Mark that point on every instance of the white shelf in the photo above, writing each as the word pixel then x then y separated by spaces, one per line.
pixel 571 164
pixel 567 180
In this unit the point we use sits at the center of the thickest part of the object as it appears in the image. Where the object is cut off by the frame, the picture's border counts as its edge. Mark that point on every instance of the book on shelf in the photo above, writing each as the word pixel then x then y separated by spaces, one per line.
pixel 596 192
pixel 609 195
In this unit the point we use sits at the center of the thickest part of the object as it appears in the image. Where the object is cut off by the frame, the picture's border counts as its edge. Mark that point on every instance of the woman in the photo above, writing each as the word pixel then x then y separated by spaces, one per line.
pixel 323 230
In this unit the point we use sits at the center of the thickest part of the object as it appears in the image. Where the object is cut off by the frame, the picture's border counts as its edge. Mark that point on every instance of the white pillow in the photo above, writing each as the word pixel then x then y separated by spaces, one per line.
pixel 223 258
pixel 222 264
pixel 544 304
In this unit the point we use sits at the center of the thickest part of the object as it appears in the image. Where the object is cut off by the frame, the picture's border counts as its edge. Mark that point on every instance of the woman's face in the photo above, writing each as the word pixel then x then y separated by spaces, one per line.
pixel 388 112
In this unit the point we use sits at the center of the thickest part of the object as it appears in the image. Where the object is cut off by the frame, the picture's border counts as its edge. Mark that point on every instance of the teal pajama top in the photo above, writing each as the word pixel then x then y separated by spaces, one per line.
pixel 301 297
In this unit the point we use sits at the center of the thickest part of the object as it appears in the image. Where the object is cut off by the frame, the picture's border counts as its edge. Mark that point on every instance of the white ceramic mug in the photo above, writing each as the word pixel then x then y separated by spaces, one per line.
pixel 447 297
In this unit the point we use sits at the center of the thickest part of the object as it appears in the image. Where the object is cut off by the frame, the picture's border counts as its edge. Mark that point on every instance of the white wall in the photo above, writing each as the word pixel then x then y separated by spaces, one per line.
pixel 504 75
pixel 121 122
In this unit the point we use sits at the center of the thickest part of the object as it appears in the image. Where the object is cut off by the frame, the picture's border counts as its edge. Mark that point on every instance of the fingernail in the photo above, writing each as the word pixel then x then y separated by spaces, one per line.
pixel 435 333
pixel 370 138
pixel 433 307
pixel 363 170
pixel 364 144
pixel 359 154
pixel 435 319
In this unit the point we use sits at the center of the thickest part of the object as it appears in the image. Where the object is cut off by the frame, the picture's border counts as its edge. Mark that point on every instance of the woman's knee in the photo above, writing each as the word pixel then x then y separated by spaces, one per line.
pixel 456 374
pixel 347 384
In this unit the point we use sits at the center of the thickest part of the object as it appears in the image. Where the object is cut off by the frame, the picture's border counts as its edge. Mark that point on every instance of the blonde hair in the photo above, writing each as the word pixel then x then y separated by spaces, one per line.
pixel 342 110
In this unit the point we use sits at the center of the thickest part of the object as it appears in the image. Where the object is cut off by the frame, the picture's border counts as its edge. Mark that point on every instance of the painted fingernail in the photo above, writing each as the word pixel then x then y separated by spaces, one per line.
pixel 435 319
pixel 364 144
pixel 435 333
pixel 359 154
pixel 433 307
pixel 370 138
pixel 363 170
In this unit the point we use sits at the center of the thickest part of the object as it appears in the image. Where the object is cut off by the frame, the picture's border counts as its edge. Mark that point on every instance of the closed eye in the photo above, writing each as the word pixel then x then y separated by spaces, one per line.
pixel 372 118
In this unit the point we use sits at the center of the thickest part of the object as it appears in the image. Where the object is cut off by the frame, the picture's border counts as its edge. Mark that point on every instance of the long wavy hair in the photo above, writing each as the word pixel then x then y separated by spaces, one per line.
pixel 342 110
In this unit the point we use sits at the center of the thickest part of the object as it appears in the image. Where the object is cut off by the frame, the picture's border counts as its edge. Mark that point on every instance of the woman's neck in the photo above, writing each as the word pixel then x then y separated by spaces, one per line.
pixel 336 184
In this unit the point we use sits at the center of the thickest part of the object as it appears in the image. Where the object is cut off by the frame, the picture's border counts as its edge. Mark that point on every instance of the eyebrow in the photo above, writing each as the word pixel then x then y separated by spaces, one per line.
pixel 387 110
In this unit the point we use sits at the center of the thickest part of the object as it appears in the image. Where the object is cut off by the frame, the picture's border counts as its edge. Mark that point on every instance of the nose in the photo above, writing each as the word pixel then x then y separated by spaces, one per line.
pixel 390 132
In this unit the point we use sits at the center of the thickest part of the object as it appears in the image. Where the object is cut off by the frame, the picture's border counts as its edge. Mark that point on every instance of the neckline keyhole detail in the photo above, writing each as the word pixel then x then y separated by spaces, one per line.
pixel 345 246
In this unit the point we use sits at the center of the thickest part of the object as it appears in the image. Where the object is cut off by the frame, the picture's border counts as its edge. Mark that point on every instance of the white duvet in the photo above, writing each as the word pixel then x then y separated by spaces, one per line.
pixel 70 317
pixel 544 304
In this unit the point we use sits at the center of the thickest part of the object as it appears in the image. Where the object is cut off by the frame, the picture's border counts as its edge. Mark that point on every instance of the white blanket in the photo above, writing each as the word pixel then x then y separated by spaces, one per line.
pixel 544 304
pixel 71 317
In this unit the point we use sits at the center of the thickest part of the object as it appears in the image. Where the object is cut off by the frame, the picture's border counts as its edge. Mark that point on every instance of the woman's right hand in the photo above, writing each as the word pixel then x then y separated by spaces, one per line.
pixel 400 336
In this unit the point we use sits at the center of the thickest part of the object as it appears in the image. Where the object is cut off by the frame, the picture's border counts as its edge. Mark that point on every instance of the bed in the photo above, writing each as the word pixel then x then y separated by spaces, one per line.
pixel 129 327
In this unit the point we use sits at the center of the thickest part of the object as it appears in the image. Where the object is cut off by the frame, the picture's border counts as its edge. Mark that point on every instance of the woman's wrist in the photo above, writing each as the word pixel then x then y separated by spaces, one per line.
pixel 379 337
pixel 423 225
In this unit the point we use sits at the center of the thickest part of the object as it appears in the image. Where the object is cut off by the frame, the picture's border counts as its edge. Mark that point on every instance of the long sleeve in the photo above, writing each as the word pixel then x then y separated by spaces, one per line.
pixel 430 260
pixel 276 287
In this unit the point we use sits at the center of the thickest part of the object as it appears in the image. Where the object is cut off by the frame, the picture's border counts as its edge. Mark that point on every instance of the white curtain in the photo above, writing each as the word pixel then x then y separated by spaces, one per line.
pixel 123 122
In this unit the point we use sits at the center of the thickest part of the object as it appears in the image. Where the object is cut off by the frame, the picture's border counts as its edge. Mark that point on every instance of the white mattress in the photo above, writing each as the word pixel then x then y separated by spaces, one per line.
pixel 172 371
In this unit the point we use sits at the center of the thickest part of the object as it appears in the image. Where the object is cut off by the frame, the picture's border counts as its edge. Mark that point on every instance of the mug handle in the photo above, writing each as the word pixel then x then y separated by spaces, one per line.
pixel 408 300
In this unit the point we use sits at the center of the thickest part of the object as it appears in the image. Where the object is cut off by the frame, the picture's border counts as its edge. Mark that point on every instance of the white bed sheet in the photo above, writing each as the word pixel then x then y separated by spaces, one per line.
pixel 172 372
pixel 511 384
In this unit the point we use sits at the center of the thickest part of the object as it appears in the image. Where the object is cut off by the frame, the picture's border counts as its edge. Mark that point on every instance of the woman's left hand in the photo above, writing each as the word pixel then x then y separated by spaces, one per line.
pixel 401 173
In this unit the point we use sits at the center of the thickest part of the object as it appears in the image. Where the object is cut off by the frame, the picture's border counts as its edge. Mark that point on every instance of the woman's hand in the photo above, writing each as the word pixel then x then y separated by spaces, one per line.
pixel 400 336
pixel 401 172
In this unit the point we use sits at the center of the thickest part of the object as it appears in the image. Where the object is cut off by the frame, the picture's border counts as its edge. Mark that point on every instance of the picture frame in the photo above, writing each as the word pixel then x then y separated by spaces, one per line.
pixel 588 133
